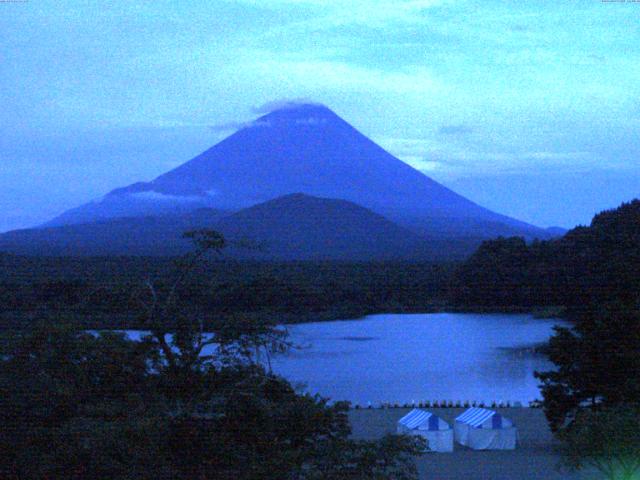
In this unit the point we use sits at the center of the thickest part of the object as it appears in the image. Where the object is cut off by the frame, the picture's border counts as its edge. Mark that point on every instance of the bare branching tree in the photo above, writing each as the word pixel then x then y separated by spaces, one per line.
pixel 181 335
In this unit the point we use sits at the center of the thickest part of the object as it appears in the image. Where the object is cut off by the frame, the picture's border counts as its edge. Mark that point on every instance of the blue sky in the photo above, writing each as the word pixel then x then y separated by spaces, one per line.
pixel 530 108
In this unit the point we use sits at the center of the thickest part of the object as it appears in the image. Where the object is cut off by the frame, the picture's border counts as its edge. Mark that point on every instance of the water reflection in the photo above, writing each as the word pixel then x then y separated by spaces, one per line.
pixel 404 358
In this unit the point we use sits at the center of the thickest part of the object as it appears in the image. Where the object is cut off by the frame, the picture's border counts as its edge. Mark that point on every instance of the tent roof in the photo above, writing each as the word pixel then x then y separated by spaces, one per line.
pixel 475 416
pixel 417 418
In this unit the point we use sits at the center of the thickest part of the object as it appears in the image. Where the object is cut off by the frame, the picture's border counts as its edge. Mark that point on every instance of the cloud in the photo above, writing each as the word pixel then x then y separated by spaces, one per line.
pixel 234 126
pixel 454 130
pixel 376 13
pixel 422 154
pixel 283 104
pixel 341 76
pixel 406 147
pixel 597 58
pixel 424 165
pixel 458 163
pixel 162 197
pixel 450 161
pixel 558 156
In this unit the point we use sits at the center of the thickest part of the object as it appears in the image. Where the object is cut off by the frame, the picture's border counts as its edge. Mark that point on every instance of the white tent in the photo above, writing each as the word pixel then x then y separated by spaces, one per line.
pixel 483 429
pixel 433 429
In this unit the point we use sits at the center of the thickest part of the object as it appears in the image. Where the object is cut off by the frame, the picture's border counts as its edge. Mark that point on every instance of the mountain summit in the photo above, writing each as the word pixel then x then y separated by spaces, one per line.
pixel 304 148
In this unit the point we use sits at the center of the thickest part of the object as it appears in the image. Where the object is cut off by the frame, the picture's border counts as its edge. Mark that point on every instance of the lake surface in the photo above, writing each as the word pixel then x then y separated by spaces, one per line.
pixel 404 358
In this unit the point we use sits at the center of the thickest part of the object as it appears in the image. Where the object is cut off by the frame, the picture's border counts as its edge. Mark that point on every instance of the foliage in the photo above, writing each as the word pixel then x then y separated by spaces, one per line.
pixel 66 396
pixel 106 292
pixel 597 365
pixel 98 407
pixel 493 275
pixel 607 439
pixel 181 403
pixel 593 272
pixel 588 266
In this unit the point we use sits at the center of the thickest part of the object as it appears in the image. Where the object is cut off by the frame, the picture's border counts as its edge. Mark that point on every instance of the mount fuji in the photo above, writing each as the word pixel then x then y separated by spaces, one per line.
pixel 300 149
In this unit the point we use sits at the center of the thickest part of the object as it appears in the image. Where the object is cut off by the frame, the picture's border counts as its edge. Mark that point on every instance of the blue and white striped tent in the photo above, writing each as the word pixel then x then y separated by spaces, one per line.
pixel 483 429
pixel 433 429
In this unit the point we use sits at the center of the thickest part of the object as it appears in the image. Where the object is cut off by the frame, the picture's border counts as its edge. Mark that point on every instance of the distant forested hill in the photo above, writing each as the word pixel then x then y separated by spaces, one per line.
pixel 587 266
pixel 289 228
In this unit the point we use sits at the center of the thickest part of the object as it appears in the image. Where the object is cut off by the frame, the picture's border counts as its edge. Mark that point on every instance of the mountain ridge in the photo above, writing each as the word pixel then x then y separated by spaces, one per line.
pixel 291 227
pixel 304 148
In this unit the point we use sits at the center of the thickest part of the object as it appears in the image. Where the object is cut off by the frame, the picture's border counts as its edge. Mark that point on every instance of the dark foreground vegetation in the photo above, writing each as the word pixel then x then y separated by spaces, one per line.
pixel 592 398
pixel 105 292
pixel 587 267
pixel 76 405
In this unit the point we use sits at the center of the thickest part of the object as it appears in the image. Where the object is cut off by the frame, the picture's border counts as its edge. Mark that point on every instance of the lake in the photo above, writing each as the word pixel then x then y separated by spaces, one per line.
pixel 404 358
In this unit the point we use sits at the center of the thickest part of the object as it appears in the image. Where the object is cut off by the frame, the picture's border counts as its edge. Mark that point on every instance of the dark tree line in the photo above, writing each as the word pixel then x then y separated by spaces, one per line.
pixel 74 405
pixel 598 362
pixel 180 404
pixel 588 266
pixel 104 292
pixel 592 396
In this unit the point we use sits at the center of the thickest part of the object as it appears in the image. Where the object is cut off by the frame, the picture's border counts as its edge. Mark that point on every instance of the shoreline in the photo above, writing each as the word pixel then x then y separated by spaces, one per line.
pixel 537 455
pixel 17 319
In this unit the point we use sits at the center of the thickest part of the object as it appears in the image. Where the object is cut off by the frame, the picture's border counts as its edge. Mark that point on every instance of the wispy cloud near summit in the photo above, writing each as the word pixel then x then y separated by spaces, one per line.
pixel 283 104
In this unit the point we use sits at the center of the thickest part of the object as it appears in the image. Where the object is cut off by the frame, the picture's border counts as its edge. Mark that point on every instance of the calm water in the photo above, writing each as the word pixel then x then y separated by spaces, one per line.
pixel 405 358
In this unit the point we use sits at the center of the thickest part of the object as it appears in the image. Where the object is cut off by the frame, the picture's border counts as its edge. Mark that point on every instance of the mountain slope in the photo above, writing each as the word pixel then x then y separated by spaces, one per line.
pixel 590 265
pixel 151 235
pixel 305 148
pixel 292 227
pixel 302 227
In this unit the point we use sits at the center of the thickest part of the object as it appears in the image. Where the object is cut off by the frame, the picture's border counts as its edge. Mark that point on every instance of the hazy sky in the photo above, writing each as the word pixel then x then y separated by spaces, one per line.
pixel 530 108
